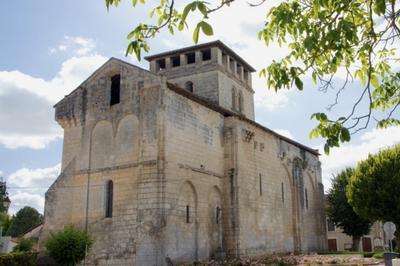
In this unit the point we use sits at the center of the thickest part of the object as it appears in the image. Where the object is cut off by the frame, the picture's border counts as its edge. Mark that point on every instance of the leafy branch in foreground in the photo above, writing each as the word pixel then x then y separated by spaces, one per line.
pixel 325 37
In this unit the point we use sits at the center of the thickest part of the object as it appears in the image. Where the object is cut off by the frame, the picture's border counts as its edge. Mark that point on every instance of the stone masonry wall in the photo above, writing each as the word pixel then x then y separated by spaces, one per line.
pixel 102 143
pixel 272 221
pixel 194 177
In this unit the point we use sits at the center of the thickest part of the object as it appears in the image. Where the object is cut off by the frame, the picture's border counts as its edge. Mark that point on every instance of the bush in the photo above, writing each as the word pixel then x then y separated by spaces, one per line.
pixel 18 259
pixel 24 245
pixel 378 255
pixel 68 247
pixel 368 254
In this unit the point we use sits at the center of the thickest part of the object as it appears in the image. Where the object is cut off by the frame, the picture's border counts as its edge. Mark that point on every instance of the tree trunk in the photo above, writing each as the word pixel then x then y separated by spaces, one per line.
pixel 356 243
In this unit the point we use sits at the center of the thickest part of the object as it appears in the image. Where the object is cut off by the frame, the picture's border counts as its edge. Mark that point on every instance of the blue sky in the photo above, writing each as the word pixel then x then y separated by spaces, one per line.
pixel 48 47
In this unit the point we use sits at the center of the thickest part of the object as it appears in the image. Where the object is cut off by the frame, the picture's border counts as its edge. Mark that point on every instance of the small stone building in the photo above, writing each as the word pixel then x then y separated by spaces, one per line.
pixel 339 241
pixel 169 165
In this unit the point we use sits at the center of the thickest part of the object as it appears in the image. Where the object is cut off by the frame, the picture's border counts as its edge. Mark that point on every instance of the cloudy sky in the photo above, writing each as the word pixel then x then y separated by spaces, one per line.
pixel 48 47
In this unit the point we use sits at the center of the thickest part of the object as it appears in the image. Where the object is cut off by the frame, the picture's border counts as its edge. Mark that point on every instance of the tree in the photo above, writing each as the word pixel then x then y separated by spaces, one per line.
pixel 324 37
pixel 373 189
pixel 341 213
pixel 24 245
pixel 4 200
pixel 25 219
pixel 68 247
pixel 5 222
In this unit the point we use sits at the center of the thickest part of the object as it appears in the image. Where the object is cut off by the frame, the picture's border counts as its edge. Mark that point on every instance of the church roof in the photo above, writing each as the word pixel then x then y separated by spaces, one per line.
pixel 203 102
pixel 227 112
pixel 217 43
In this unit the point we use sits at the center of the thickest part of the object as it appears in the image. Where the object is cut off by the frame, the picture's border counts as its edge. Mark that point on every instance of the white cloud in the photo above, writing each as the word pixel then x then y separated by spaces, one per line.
pixel 76 44
pixel 26 102
pixel 284 132
pixel 269 100
pixel 22 198
pixel 26 177
pixel 27 186
pixel 348 155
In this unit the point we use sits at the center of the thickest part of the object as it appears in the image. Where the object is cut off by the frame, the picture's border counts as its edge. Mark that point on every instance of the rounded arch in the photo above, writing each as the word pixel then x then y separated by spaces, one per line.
pixel 188 201
pixel 215 204
pixel 214 221
pixel 127 139
pixel 101 144
pixel 293 205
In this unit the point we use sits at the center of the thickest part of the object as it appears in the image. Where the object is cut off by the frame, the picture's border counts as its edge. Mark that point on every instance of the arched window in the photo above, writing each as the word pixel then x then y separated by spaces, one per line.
pixel 109 198
pixel 240 100
pixel 234 96
pixel 189 86
pixel 115 89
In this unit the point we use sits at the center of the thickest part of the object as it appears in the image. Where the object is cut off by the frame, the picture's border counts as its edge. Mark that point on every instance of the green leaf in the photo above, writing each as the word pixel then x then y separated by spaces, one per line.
pixel 196 34
pixel 206 28
pixel 203 9
pixel 374 81
pixel 186 10
pixel 131 34
pixel 134 2
pixel 344 135
pixel 129 50
pixel 180 26
pixel 380 7
pixel 152 13
pixel 326 149
pixel 299 83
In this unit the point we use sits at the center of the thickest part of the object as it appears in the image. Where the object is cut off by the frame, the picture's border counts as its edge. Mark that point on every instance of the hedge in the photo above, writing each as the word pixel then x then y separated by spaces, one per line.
pixel 18 258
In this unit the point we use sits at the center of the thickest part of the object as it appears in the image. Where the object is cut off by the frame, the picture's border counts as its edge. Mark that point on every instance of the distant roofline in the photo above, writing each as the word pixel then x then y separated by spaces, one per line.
pixel 217 43
pixel 226 112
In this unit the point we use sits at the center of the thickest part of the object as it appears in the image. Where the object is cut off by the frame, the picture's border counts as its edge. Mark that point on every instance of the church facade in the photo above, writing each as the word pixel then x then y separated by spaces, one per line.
pixel 169 165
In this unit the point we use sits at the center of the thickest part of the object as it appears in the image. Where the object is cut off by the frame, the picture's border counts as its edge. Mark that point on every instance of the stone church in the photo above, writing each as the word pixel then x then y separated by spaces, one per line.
pixel 168 165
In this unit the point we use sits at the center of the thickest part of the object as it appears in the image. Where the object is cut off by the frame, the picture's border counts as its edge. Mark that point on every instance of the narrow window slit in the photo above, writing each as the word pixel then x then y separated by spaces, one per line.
pixel 187 214
pixel 109 198
pixel 115 89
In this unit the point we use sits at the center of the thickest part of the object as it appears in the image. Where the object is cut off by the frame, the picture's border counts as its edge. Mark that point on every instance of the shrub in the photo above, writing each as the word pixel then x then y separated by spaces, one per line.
pixel 24 245
pixel 18 259
pixel 368 254
pixel 378 255
pixel 68 247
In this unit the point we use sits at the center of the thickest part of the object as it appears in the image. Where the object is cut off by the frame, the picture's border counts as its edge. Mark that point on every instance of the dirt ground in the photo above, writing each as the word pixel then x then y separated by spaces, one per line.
pixel 290 260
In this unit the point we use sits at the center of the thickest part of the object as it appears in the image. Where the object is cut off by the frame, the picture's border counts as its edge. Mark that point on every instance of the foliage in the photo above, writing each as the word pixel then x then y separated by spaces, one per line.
pixel 368 254
pixel 3 196
pixel 378 255
pixel 68 247
pixel 5 222
pixel 24 245
pixel 373 189
pixel 18 259
pixel 358 37
pixel 25 219
pixel 341 213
